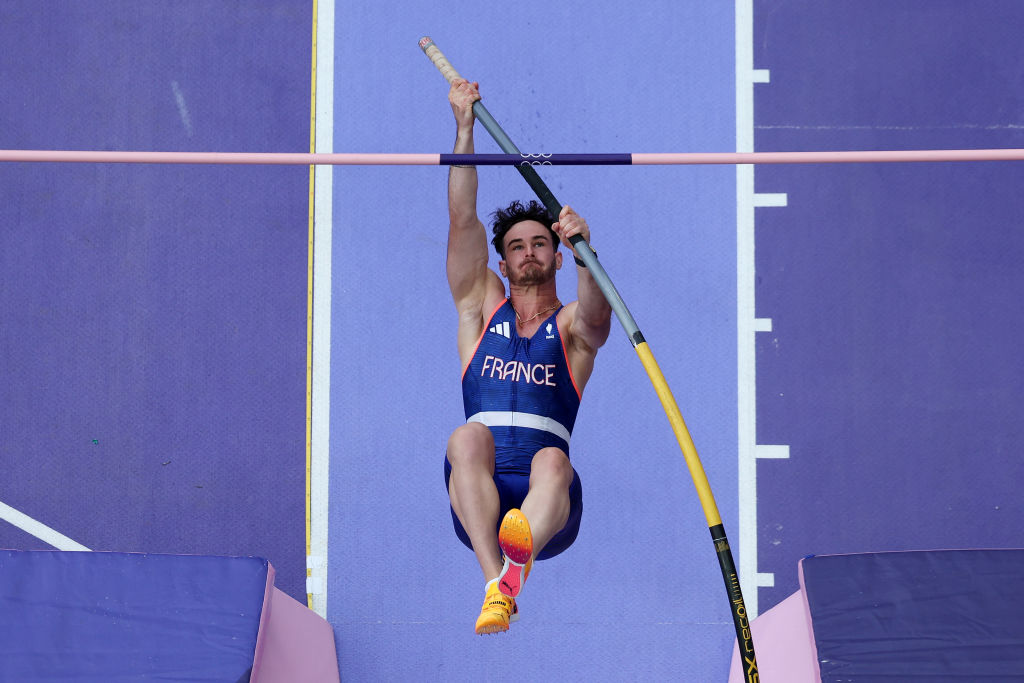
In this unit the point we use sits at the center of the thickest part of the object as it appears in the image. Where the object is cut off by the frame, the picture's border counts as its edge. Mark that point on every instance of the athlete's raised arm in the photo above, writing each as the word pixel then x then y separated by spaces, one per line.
pixel 591 314
pixel 467 238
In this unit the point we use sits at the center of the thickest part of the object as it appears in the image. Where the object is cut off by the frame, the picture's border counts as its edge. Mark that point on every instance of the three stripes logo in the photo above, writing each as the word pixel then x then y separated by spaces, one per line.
pixel 503 329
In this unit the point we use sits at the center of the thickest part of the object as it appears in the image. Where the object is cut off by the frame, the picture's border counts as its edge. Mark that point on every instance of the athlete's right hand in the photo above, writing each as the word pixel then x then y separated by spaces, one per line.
pixel 462 95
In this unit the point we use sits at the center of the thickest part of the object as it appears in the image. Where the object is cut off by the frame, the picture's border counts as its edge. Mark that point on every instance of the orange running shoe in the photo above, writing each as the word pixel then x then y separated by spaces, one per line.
pixel 498 611
pixel 516 543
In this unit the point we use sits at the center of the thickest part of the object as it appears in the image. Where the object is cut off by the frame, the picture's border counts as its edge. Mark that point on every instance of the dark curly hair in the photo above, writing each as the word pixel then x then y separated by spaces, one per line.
pixel 517 212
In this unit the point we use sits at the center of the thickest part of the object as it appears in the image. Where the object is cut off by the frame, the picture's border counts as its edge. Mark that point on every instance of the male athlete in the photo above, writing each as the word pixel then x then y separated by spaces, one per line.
pixel 525 360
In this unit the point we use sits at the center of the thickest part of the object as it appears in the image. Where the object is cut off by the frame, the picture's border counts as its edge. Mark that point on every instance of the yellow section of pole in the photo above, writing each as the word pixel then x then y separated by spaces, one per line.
pixel 675 418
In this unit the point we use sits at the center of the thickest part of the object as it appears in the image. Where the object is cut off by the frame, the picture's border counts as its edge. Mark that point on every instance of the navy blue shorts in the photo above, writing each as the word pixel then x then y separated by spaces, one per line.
pixel 512 489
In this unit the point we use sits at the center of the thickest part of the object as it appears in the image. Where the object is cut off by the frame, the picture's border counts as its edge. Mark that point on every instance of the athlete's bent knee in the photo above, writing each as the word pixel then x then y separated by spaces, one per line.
pixel 552 464
pixel 471 443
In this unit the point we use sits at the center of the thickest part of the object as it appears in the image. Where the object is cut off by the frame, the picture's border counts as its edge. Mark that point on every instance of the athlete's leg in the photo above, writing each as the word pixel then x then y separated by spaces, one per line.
pixel 546 506
pixel 473 495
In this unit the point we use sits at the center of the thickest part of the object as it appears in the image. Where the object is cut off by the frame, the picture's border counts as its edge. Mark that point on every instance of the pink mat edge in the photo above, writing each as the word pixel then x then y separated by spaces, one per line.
pixel 265 615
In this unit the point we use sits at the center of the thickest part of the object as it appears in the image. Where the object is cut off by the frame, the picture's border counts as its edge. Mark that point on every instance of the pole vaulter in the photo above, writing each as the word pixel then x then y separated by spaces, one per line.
pixel 636 338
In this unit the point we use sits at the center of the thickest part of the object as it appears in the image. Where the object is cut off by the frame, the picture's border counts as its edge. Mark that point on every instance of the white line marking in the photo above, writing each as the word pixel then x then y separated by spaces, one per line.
pixel 762 324
pixel 320 441
pixel 746 357
pixel 760 76
pixel 765 580
pixel 179 99
pixel 38 529
pixel 771 199
pixel 771 452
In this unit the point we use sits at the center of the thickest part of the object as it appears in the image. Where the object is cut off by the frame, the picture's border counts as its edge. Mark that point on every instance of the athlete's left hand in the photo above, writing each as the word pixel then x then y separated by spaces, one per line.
pixel 570 223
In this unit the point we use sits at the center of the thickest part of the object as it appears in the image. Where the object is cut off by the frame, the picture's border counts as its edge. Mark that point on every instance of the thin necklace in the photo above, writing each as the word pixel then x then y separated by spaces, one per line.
pixel 523 322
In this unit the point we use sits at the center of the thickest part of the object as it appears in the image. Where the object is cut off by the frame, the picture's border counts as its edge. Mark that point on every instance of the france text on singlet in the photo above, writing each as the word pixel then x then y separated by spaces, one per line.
pixel 522 388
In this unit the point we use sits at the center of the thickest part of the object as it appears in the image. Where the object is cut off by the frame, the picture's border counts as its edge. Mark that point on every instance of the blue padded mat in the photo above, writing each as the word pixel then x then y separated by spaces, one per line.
pixel 120 616
pixel 947 615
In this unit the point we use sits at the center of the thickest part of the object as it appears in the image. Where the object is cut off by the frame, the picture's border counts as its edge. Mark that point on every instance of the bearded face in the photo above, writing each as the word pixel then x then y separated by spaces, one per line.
pixel 530 254
pixel 532 273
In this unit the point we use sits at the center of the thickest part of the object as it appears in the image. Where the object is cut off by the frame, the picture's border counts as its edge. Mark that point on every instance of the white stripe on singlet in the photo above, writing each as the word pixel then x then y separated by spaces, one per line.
pixel 508 418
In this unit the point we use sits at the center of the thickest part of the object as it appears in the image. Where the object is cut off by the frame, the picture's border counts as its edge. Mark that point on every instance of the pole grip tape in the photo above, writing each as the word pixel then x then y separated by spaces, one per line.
pixel 438 58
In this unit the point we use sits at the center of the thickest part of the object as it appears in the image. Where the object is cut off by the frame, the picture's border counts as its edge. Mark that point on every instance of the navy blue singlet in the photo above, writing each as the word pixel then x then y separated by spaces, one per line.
pixel 521 388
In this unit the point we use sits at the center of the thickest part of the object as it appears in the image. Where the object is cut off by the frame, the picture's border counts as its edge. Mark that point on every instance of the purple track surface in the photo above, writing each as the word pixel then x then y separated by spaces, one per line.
pixel 893 370
pixel 153 354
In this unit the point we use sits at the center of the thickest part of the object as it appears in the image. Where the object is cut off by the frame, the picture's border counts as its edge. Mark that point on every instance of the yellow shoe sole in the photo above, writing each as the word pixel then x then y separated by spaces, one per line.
pixel 516 543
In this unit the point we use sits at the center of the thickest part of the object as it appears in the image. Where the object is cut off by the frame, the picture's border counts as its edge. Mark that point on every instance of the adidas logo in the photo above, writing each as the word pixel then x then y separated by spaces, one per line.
pixel 503 329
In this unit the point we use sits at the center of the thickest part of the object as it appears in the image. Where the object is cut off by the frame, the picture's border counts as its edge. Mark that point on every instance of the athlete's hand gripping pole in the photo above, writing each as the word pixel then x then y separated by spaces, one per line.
pixel 700 480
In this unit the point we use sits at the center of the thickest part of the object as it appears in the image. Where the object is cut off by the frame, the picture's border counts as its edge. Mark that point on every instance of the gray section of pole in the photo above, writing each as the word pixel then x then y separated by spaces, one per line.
pixel 580 246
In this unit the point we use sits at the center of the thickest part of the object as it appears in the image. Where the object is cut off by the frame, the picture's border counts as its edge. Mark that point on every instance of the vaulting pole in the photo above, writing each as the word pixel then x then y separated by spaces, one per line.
pixel 636 338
